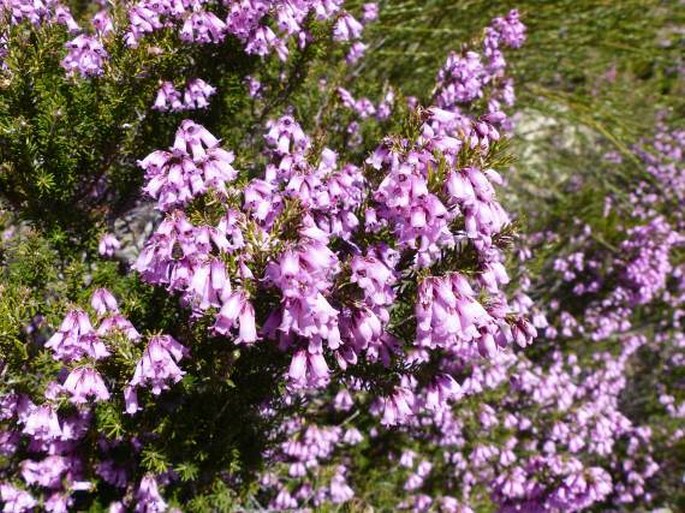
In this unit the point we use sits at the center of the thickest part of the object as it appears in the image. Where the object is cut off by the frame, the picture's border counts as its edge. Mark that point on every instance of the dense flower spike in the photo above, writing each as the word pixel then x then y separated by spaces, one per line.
pixel 193 166
pixel 282 262
pixel 214 267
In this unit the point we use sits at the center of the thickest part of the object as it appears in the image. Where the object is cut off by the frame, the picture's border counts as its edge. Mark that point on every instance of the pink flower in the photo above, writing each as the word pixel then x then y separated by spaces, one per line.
pixel 237 309
pixel 16 500
pixel 298 366
pixel 64 17
pixel 347 28
pixel 102 22
pixel 148 498
pixel 42 423
pixel 131 400
pixel 83 382
pixel 197 94
pixel 340 490
pixel 76 338
pixel 158 366
pixel 203 27
pixel 117 323
pixel 108 245
pixel 398 407
pixel 86 55
pixel 102 301
pixel 168 98
pixel 370 12
pixel 47 472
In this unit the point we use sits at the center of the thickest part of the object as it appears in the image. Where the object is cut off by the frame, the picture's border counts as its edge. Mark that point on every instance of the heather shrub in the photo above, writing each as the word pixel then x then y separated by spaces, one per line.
pixel 251 263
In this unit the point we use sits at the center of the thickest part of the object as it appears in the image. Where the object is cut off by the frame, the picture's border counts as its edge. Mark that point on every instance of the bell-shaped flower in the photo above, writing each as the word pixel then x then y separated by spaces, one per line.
pixel 158 365
pixel 83 382
pixel 148 498
pixel 41 423
pixel 237 310
pixel 103 301
pixel 76 338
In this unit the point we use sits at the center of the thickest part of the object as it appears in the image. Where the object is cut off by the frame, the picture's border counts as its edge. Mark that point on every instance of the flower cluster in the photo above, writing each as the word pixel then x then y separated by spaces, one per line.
pixel 262 27
pixel 305 451
pixel 192 166
pixel 55 464
pixel 463 78
pixel 547 432
pixel 349 300
pixel 86 55
pixel 346 268
pixel 290 217
pixel 196 22
pixel 195 96
pixel 626 293
pixel 38 13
